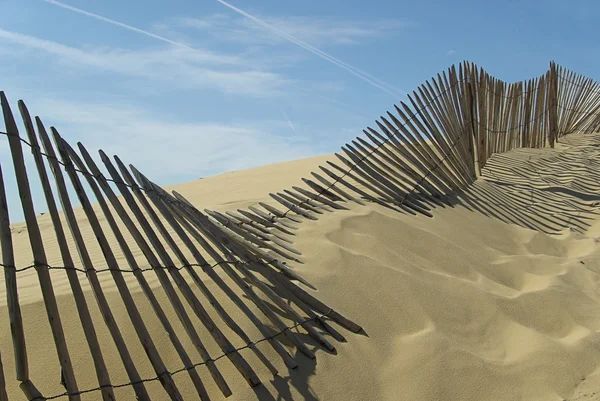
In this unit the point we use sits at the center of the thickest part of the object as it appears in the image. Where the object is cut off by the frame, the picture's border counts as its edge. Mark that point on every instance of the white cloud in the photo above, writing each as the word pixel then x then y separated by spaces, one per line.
pixel 450 52
pixel 174 64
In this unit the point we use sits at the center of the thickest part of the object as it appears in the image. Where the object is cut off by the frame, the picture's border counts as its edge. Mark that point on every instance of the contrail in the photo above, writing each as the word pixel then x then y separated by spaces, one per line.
pixel 117 23
pixel 288 119
pixel 353 70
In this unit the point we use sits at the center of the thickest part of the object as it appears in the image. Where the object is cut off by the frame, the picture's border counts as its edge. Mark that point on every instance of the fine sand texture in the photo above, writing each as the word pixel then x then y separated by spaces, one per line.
pixel 495 297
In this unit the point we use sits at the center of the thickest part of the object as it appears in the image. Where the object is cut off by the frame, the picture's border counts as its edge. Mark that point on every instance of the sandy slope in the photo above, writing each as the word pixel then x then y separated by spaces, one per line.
pixel 461 306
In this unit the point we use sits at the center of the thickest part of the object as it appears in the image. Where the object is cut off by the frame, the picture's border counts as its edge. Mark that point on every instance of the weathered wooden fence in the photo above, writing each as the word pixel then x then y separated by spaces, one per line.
pixel 433 146
pixel 145 203
pixel 438 142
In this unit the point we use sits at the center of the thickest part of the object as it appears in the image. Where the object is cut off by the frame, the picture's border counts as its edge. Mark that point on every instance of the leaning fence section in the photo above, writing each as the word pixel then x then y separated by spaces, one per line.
pixel 433 145
pixel 436 143
pixel 147 220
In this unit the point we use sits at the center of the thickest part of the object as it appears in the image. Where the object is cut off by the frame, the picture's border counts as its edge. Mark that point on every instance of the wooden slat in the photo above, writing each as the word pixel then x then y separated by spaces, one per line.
pixel 538 120
pixel 413 147
pixel 86 260
pixel 291 206
pixel 370 183
pixel 233 225
pixel 160 273
pixel 330 188
pixel 278 213
pixel 438 112
pixel 78 295
pixel 442 111
pixel 343 181
pixel 200 260
pixel 333 187
pixel 202 222
pixel 255 250
pixel 265 225
pixel 186 219
pixel 470 116
pixel 407 197
pixel 149 293
pixel 433 162
pixel 318 198
pixel 452 102
pixel 69 157
pixel 39 255
pixel 3 394
pixel 264 233
pixel 321 190
pixel 552 104
pixel 304 202
pixel 182 284
pixel 435 117
pixel 274 219
pixel 256 228
pixel 431 122
pixel 12 294
pixel 400 168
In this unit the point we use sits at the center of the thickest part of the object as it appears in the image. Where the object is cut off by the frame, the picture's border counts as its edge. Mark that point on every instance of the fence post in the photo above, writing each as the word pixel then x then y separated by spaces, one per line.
pixel 12 292
pixel 551 101
pixel 471 95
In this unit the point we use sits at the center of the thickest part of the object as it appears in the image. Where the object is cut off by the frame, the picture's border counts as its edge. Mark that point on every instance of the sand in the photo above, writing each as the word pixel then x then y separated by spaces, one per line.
pixel 494 298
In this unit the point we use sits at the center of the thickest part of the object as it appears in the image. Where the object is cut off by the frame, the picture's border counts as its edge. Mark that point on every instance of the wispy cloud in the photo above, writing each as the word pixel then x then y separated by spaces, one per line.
pixel 351 69
pixel 450 52
pixel 116 23
pixel 317 31
pixel 201 148
pixel 173 64
pixel 291 29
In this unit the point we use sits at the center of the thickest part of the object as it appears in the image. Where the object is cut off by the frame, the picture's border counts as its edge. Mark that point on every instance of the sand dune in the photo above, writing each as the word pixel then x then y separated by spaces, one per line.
pixel 497 297
pixel 449 254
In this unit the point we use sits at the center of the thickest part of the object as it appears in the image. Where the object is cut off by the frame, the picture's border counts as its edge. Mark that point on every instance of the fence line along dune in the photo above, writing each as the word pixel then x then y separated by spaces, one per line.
pixel 123 261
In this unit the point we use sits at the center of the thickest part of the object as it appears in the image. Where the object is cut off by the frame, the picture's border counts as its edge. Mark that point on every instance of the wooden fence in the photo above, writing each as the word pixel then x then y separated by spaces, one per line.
pixel 433 146
pixel 440 139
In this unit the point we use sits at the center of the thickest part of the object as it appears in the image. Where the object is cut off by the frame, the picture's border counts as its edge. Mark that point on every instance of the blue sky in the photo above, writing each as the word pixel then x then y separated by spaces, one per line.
pixel 186 89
